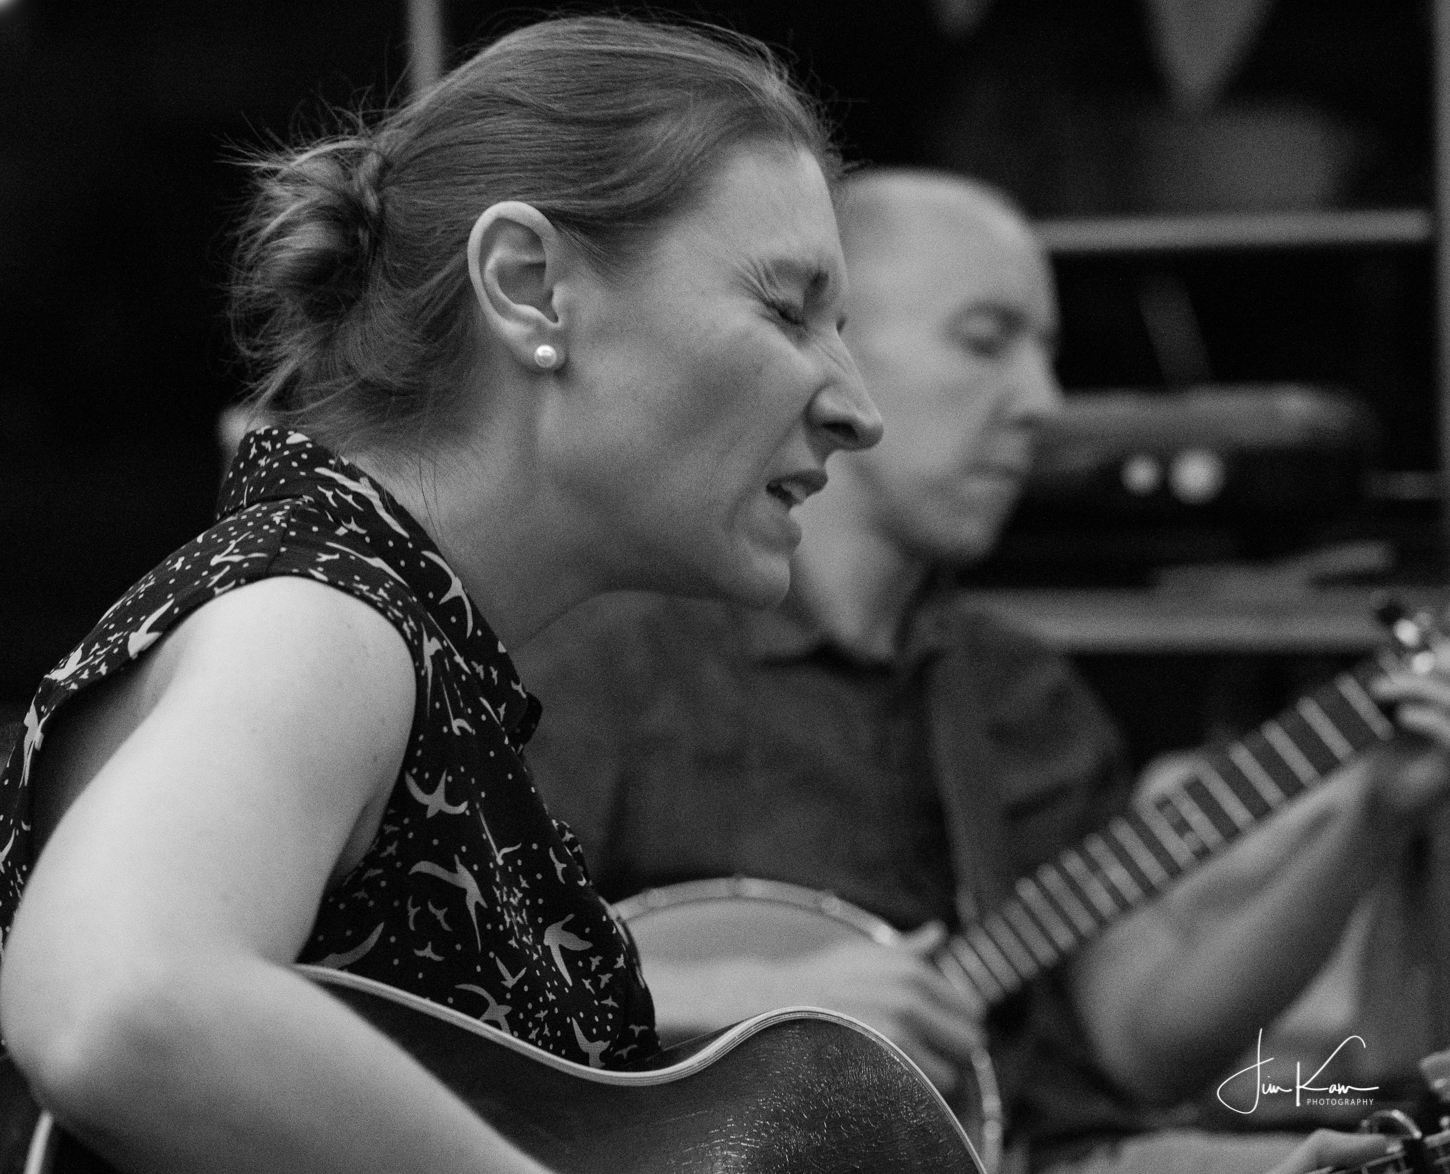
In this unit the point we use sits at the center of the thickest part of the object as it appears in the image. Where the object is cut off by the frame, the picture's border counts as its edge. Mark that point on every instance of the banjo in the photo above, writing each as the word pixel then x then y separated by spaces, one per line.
pixel 1067 901
pixel 735 917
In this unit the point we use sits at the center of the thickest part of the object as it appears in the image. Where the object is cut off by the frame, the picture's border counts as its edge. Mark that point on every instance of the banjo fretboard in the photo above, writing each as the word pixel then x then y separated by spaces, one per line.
pixel 1070 900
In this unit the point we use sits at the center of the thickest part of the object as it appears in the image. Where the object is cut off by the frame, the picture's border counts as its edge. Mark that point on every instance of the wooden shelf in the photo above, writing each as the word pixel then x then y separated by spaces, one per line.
pixel 1337 620
pixel 1222 232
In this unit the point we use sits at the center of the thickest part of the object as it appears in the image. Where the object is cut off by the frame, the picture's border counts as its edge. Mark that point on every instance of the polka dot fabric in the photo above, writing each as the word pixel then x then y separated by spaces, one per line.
pixel 470 895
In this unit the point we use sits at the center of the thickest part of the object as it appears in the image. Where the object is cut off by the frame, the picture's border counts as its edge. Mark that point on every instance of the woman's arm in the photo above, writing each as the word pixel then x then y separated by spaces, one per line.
pixel 145 990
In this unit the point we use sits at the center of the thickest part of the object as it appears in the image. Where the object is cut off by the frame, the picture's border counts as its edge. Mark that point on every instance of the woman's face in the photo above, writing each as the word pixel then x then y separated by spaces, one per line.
pixel 705 390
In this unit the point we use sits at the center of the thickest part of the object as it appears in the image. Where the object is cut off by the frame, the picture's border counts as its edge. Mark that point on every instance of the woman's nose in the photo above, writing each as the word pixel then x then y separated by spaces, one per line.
pixel 844 412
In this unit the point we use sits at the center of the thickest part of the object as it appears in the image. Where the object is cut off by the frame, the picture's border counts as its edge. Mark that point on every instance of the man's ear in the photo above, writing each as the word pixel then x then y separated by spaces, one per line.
pixel 514 257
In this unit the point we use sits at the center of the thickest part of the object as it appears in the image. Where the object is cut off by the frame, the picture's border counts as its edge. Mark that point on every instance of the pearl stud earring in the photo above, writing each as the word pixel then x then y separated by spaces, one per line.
pixel 546 358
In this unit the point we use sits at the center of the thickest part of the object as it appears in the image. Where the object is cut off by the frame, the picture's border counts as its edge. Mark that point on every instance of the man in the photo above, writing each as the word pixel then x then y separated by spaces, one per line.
pixel 878 739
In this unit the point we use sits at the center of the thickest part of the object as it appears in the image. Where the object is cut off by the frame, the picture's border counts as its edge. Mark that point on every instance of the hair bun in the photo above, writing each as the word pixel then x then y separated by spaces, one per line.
pixel 325 225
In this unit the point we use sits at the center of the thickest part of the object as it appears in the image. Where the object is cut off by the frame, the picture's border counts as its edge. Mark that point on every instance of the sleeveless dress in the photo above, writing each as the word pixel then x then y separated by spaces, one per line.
pixel 470 895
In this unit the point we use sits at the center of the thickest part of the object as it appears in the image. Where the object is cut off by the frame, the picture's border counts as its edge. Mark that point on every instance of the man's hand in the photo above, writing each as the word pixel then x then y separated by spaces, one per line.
pixel 896 991
pixel 1413 772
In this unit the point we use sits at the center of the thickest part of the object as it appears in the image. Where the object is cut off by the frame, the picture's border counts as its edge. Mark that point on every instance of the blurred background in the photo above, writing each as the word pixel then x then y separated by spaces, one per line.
pixel 1240 197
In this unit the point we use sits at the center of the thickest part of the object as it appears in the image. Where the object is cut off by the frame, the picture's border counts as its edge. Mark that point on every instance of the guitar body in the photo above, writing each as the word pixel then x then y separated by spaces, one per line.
pixel 793 1091
pixel 743 917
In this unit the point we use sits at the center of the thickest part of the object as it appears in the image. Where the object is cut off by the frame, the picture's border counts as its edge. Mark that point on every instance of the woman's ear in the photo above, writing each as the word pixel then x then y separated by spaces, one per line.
pixel 514 257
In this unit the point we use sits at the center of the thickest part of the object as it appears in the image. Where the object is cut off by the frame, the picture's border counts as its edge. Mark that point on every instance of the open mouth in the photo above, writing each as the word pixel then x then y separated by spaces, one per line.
pixel 794 489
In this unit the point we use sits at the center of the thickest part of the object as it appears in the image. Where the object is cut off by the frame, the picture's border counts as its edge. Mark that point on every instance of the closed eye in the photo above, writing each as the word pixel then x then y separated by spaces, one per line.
pixel 987 333
pixel 787 312
pixel 990 331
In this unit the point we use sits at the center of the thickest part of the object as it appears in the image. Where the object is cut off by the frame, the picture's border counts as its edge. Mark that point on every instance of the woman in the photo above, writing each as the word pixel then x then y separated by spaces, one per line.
pixel 567 323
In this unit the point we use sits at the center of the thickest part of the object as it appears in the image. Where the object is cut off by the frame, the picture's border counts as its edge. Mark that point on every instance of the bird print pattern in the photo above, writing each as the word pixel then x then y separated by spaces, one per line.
pixel 470 895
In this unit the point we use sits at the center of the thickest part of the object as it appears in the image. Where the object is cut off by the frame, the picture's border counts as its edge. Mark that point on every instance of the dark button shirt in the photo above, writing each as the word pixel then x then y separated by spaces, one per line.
pixel 470 894
pixel 697 740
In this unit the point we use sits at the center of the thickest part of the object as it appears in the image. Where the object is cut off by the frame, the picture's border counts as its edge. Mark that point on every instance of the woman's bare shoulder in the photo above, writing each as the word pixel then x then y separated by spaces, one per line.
pixel 277 652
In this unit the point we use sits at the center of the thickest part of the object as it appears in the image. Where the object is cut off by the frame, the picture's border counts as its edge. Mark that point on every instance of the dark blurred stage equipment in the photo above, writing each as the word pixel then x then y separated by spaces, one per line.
pixel 1233 453
pixel 1133 480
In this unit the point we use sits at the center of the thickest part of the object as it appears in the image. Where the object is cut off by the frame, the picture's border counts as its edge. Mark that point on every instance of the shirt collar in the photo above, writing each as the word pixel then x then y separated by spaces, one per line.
pixel 790 633
pixel 781 634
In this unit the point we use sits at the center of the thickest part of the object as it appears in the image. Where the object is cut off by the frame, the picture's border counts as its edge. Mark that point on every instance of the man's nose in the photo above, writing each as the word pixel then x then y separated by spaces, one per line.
pixel 1038 395
pixel 843 411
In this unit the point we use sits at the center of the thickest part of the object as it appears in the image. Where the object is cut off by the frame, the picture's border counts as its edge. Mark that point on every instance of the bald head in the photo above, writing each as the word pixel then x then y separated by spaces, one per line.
pixel 900 218
pixel 952 320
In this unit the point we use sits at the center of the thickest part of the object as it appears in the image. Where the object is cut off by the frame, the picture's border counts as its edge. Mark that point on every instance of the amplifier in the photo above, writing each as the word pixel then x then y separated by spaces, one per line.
pixel 1240 453
pixel 1129 482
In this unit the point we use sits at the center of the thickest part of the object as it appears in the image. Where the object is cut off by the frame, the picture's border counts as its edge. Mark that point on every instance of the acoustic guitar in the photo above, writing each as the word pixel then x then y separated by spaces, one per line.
pixel 798 1091
pixel 1069 900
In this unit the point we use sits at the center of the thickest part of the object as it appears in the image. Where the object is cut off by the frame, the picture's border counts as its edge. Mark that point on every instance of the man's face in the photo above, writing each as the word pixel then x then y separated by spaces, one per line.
pixel 952 321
